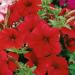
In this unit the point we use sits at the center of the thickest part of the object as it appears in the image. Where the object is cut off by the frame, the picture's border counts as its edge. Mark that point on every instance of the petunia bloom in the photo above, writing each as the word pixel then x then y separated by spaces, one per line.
pixel 30 6
pixel 69 39
pixel 4 7
pixel 30 23
pixel 44 40
pixel 50 65
pixel 11 38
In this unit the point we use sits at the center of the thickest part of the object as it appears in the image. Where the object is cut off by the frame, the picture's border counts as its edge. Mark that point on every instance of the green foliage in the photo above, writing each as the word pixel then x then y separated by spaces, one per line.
pixel 46 2
pixel 56 2
pixel 42 14
pixel 72 69
pixel 72 64
pixel 59 22
pixel 25 70
pixel 72 57
pixel 45 8
pixel 18 51
pixel 56 12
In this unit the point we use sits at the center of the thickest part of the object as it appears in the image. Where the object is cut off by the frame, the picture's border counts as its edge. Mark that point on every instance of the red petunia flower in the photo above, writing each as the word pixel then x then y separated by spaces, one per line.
pixel 28 25
pixel 26 7
pixel 69 39
pixel 52 66
pixel 58 65
pixel 45 40
pixel 30 6
pixel 16 7
pixel 11 38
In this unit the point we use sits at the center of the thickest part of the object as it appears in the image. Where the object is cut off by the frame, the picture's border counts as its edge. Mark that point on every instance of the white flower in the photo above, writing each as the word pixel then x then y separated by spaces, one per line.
pixel 4 6
pixel 1 17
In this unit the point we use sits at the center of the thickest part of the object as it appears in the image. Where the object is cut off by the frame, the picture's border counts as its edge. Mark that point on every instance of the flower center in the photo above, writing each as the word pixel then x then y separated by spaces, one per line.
pixel 55 65
pixel 12 37
pixel 70 42
pixel 28 4
pixel 46 73
pixel 31 30
pixel 46 39
pixel 0 3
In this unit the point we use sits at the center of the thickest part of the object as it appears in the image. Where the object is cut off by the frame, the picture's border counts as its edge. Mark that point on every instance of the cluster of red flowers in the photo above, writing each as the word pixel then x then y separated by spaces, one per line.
pixel 26 28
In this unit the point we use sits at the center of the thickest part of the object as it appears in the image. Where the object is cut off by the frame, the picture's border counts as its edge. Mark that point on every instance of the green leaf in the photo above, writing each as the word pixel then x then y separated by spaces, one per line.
pixel 72 66
pixel 72 69
pixel 42 13
pixel 21 51
pixel 56 12
pixel 53 22
pixel 25 70
pixel 72 72
pixel 72 57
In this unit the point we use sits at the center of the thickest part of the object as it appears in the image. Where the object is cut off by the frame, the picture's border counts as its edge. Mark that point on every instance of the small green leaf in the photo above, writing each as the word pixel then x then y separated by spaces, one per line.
pixel 21 51
pixel 72 67
pixel 72 57
pixel 25 70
